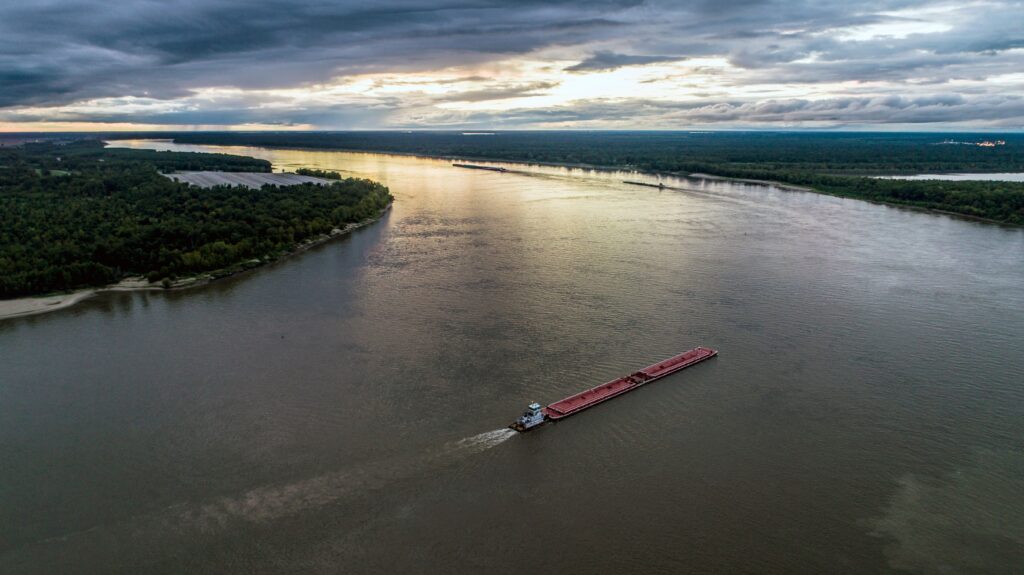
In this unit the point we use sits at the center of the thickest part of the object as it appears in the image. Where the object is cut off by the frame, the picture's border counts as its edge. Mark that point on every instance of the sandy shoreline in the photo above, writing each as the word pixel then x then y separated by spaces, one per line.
pixel 33 305
pixel 21 307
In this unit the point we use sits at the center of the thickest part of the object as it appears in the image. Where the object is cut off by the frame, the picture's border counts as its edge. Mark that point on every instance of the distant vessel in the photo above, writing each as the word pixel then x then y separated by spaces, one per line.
pixel 476 167
pixel 535 415
pixel 659 185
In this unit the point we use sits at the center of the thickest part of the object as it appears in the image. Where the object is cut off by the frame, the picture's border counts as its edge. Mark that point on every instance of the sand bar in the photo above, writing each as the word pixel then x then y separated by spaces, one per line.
pixel 253 180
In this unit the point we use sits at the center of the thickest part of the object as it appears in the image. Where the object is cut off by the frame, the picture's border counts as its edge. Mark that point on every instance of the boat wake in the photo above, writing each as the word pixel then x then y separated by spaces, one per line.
pixel 265 503
pixel 185 522
pixel 486 440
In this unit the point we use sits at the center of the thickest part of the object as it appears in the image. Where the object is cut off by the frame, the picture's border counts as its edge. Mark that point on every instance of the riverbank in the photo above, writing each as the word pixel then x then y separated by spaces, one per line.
pixel 848 194
pixel 703 176
pixel 568 165
pixel 34 305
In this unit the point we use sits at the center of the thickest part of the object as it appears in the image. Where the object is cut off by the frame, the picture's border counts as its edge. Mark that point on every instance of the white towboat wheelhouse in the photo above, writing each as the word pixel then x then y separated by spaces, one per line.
pixel 530 418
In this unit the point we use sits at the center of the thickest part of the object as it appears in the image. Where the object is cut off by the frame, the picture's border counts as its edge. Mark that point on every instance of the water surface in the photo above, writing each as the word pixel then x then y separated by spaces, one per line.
pixel 342 411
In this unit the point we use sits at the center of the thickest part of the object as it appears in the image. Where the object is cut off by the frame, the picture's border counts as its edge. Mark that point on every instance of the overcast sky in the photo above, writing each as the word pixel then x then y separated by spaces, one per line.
pixel 465 64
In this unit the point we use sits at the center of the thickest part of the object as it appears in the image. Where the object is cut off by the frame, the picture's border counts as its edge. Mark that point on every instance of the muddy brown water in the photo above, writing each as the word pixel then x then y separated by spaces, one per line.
pixel 343 411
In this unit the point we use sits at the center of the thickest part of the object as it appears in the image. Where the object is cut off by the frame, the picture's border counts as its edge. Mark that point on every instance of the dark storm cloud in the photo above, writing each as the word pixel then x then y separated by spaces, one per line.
pixel 605 60
pixel 54 52
pixel 58 52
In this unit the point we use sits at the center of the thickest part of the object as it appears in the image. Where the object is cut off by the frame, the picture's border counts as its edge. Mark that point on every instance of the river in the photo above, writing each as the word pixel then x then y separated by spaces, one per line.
pixel 344 410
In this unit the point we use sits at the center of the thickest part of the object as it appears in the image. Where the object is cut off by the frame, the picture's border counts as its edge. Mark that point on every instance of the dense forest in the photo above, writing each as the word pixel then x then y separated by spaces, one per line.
pixel 76 215
pixel 834 163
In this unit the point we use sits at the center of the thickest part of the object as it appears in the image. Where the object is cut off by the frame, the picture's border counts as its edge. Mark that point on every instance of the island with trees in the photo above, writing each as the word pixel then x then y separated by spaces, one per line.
pixel 78 215
pixel 314 173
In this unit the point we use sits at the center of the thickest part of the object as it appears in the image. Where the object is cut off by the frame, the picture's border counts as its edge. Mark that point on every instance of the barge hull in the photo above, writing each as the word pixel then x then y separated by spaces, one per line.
pixel 595 395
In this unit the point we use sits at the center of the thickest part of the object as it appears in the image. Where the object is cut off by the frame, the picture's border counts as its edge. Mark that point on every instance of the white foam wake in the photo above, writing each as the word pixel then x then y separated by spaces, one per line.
pixel 486 440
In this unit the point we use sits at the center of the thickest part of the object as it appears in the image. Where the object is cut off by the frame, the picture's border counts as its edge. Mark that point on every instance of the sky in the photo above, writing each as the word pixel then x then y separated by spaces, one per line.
pixel 75 65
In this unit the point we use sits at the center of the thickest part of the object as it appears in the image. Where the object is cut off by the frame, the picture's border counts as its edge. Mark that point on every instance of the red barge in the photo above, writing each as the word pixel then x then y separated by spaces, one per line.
pixel 535 415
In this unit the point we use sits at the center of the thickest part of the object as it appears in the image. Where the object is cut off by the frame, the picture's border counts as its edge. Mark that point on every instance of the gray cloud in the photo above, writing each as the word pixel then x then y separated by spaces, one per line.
pixel 606 60
pixel 501 93
pixel 1000 111
pixel 57 52
pixel 951 109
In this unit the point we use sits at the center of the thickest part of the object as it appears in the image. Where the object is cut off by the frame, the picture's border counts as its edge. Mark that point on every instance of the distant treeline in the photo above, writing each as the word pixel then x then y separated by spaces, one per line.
pixel 79 215
pixel 93 155
pixel 833 163
pixel 856 153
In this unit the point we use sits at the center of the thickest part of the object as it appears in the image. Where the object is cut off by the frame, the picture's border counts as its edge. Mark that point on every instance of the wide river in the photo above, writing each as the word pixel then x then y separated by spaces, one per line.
pixel 343 411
